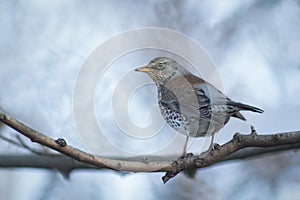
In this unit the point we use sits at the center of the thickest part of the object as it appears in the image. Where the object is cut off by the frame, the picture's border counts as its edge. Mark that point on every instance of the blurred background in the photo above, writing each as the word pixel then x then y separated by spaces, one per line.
pixel 254 44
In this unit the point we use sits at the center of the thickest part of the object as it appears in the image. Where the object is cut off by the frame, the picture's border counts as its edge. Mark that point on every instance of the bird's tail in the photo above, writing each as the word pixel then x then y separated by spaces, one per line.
pixel 242 106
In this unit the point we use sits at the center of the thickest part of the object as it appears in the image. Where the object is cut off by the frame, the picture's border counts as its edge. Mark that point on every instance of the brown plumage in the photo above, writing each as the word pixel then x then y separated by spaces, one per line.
pixel 188 103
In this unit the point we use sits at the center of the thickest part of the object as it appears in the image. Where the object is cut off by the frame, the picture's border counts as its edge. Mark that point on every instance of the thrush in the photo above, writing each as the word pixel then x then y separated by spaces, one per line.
pixel 189 104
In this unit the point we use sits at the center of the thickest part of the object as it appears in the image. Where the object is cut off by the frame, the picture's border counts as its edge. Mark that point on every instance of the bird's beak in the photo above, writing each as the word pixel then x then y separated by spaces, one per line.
pixel 143 69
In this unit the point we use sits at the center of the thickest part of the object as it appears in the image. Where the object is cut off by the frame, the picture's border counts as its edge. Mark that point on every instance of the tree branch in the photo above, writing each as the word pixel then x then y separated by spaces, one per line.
pixel 277 142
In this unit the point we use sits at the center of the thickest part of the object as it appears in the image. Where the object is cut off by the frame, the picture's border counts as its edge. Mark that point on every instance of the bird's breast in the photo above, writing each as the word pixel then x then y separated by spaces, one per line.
pixel 174 118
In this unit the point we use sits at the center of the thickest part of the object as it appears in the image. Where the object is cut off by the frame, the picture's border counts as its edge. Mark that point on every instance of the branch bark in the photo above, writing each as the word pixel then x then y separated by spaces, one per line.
pixel 273 142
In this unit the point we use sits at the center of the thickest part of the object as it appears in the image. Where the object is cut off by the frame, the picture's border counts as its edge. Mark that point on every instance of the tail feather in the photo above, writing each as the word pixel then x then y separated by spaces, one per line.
pixel 242 106
pixel 239 116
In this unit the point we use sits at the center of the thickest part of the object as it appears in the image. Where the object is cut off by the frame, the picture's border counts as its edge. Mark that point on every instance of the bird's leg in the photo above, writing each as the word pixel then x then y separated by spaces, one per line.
pixel 205 153
pixel 211 143
pixel 185 146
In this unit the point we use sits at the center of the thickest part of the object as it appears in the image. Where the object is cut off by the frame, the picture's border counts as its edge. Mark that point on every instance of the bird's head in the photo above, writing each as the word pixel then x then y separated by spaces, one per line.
pixel 162 69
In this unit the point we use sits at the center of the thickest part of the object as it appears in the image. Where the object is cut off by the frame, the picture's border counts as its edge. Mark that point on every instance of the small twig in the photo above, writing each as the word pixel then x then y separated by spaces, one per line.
pixel 253 131
pixel 24 145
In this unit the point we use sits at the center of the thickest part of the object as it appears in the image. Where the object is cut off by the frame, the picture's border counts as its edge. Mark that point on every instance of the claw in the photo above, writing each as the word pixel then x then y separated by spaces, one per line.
pixel 186 155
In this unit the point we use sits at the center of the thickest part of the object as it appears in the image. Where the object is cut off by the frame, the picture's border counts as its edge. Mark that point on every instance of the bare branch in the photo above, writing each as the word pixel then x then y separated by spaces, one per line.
pixel 57 161
pixel 238 142
pixel 120 165
pixel 275 141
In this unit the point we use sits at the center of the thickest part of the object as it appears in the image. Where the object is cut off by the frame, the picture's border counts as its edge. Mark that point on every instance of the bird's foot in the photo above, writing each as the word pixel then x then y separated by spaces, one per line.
pixel 205 153
pixel 213 147
pixel 185 155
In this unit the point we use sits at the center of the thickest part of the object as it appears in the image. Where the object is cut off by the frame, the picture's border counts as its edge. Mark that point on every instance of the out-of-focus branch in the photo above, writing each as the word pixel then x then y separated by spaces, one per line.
pixel 22 144
pixel 268 143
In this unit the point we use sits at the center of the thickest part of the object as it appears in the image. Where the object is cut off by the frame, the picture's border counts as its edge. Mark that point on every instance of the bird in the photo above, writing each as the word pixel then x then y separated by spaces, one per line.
pixel 188 103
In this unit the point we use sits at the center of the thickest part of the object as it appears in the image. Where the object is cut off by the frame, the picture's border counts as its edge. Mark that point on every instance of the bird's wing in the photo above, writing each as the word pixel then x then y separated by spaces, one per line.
pixel 169 99
pixel 191 99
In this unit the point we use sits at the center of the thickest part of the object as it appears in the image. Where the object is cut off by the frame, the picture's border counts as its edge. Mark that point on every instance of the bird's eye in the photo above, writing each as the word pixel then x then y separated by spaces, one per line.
pixel 160 66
